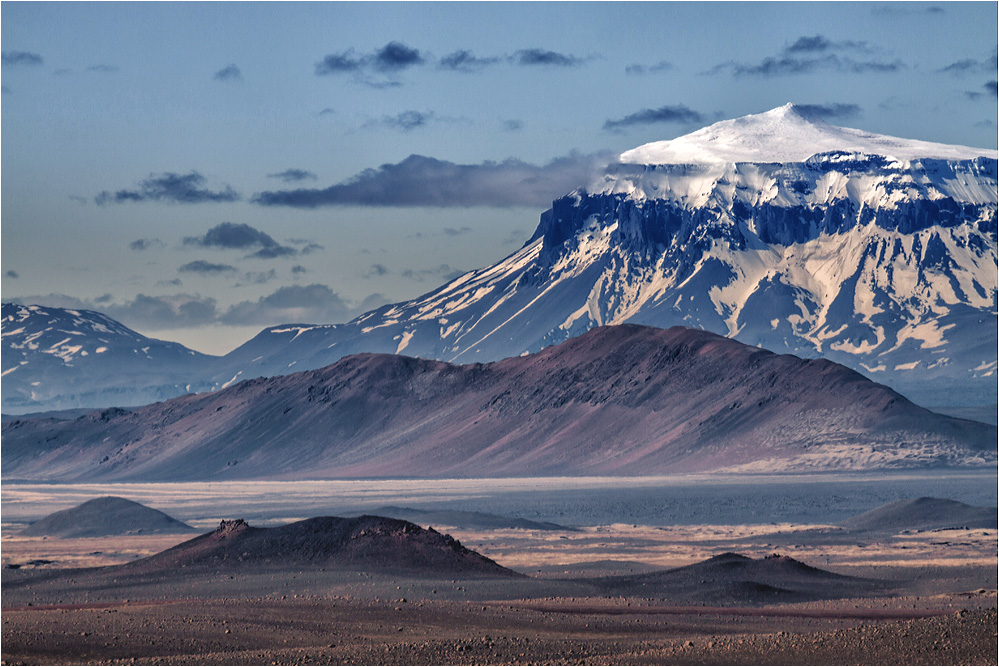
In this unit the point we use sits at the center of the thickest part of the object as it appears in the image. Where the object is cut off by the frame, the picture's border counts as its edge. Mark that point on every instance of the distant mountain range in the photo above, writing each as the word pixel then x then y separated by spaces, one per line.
pixel 621 400
pixel 776 229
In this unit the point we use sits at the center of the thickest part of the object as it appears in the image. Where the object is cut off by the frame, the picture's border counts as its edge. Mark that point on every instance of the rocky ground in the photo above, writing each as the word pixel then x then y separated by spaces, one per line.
pixel 341 630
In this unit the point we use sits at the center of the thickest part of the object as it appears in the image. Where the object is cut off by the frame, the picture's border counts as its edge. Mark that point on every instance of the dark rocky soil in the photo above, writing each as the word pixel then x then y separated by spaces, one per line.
pixel 328 630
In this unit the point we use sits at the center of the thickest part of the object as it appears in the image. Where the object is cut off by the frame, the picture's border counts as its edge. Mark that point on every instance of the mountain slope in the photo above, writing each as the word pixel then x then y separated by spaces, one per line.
pixel 616 400
pixel 55 359
pixel 876 252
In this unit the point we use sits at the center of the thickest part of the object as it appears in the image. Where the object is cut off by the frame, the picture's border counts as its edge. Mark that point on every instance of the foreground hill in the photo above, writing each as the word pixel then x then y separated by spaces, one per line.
pixel 105 516
pixel 366 543
pixel 617 400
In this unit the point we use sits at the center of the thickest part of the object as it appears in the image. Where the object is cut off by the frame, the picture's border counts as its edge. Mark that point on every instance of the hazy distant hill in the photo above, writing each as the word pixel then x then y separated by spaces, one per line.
pixel 617 400
pixel 107 516
pixel 923 514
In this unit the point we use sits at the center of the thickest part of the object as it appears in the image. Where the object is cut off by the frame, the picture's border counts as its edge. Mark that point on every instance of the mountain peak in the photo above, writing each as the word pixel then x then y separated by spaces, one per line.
pixel 788 133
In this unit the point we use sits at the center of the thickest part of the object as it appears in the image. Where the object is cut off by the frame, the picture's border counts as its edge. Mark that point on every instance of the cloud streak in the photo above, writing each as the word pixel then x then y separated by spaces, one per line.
pixel 544 58
pixel 420 181
pixel 293 175
pixel 810 54
pixel 172 188
pixel 666 114
pixel 20 58
pixel 206 268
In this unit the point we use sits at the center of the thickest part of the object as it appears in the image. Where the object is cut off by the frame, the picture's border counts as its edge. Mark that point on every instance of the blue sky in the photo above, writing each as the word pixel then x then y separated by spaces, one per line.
pixel 200 171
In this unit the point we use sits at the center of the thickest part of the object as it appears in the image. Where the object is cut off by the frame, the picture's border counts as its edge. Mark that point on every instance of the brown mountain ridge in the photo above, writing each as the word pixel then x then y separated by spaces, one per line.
pixel 621 400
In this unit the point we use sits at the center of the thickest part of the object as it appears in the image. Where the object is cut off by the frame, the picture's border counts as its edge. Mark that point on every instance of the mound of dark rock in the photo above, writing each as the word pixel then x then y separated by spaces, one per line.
pixel 107 516
pixel 923 514
pixel 732 578
pixel 361 543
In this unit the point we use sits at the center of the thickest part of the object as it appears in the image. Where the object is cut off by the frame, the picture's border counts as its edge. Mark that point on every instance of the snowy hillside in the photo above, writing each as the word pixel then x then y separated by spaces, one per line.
pixel 878 253
pixel 55 358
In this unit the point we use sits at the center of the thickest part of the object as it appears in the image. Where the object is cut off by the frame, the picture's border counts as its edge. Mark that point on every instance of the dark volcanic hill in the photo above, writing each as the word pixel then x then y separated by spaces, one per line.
pixel 732 578
pixel 617 400
pixel 922 514
pixel 107 516
pixel 366 543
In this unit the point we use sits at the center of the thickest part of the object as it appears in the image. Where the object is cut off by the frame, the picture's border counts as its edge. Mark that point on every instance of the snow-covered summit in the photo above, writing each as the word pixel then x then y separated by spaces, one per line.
pixel 787 134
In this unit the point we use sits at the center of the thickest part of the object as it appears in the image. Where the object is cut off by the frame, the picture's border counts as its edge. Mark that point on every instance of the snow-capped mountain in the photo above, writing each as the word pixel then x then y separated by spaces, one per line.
pixel 777 229
pixel 55 358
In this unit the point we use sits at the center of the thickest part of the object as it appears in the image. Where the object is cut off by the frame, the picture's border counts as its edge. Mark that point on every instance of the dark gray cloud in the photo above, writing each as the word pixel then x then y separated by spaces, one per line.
pixel 972 66
pixel 338 63
pixel 293 175
pixel 240 236
pixel 377 270
pixel 813 53
pixel 513 125
pixel 667 114
pixel 293 304
pixel 389 60
pixel 543 58
pixel 396 56
pixel 206 268
pixel 146 244
pixel 451 231
pixel 143 312
pixel 170 187
pixel 12 274
pixel 466 61
pixel 228 73
pixel 163 312
pixel 298 269
pixel 443 272
pixel 18 58
pixel 103 69
pixel 992 87
pixel 638 69
pixel 427 182
pixel 310 248
pixel 232 235
pixel 835 111
pixel 408 120
pixel 328 111
pixel 990 90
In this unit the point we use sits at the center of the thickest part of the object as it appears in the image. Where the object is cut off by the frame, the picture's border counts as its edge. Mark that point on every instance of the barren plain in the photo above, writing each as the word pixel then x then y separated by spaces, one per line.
pixel 659 585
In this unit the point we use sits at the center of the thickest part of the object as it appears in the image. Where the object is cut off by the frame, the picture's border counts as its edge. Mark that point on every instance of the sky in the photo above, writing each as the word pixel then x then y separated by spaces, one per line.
pixel 200 171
